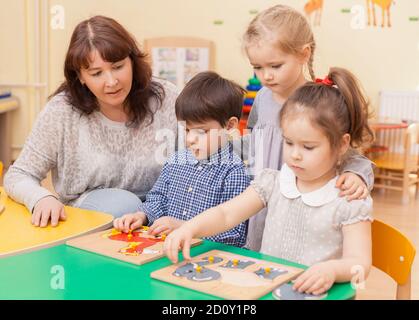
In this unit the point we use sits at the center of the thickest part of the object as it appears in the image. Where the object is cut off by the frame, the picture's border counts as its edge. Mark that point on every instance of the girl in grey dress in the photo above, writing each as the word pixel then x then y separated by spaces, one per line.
pixel 307 222
pixel 279 44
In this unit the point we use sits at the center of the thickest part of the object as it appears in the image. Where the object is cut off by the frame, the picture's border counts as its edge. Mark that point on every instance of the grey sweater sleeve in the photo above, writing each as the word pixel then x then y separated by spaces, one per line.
pixel 241 146
pixel 253 116
pixel 361 166
pixel 39 154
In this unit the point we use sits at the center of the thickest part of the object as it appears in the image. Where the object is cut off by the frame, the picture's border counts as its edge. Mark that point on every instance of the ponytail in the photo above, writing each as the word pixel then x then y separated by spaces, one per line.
pixel 356 103
pixel 336 104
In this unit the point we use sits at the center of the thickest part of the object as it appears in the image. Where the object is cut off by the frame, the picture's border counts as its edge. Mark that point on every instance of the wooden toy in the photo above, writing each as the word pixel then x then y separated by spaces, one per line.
pixel 228 275
pixel 286 292
pixel 136 247
pixel 254 85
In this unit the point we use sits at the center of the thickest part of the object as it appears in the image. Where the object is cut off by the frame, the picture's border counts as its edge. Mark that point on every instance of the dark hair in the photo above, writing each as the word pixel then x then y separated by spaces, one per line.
pixel 208 96
pixel 113 43
pixel 336 110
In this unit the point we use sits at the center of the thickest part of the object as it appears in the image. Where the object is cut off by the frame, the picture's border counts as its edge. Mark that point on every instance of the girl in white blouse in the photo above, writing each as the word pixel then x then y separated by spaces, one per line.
pixel 307 221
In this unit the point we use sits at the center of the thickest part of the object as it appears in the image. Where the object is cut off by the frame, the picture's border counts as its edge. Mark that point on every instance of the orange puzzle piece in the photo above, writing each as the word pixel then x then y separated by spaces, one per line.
pixel 137 243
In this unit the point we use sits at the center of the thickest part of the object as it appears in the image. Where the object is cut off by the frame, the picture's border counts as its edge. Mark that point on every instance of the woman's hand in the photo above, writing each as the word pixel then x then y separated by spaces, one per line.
pixel 130 221
pixel 317 279
pixel 48 208
pixel 353 186
pixel 179 238
pixel 164 225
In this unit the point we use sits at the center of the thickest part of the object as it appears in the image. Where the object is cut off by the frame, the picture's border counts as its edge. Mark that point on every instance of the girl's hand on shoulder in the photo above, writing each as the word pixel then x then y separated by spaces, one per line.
pixel 317 279
pixel 48 208
pixel 130 221
pixel 164 225
pixel 352 186
pixel 179 238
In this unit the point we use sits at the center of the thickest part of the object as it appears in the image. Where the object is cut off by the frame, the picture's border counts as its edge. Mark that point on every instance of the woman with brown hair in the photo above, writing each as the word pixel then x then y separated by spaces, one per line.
pixel 99 132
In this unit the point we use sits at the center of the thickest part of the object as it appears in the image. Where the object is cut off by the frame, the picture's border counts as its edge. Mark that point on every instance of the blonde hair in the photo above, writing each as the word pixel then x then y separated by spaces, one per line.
pixel 286 27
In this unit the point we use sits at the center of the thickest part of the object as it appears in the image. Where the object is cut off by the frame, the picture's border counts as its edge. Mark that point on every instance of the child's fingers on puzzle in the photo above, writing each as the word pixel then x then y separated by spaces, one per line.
pixel 117 223
pixel 159 229
pixel 166 246
pixel 316 286
pixel 320 291
pixel 168 231
pixel 186 249
pixel 153 226
pixel 307 284
pixel 323 289
pixel 136 225
pixel 127 222
pixel 300 280
pixel 171 250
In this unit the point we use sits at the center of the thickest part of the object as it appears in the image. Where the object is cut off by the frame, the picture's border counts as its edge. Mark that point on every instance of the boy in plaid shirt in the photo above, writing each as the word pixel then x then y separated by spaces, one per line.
pixel 205 174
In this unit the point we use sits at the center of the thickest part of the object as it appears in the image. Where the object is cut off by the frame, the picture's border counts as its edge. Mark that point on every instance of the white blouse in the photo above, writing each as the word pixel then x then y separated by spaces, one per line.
pixel 305 227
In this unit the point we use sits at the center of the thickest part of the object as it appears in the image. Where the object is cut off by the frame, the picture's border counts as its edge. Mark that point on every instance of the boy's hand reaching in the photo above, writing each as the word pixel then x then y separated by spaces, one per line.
pixel 317 279
pixel 180 238
pixel 130 221
pixel 353 186
pixel 164 225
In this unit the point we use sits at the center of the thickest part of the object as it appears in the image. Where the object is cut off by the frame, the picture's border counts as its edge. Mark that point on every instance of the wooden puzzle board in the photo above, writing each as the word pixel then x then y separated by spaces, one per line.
pixel 234 282
pixel 100 243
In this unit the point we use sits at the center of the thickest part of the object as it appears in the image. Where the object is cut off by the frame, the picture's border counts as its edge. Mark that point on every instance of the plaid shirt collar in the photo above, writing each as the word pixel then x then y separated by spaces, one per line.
pixel 225 154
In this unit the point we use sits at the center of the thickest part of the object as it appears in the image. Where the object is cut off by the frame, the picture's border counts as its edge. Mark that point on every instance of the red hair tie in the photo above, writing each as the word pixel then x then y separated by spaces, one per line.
pixel 327 81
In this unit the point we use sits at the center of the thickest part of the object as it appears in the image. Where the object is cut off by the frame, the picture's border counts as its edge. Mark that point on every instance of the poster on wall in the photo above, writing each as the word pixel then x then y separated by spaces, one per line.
pixel 179 65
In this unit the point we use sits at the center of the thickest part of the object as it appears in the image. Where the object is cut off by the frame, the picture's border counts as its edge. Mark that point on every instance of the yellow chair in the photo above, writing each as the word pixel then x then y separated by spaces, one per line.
pixel 1 173
pixel 393 254
pixel 400 165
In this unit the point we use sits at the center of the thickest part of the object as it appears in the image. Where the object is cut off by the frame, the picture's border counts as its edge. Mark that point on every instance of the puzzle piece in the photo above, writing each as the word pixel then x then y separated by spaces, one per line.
pixel 196 272
pixel 270 273
pixel 137 242
pixel 286 292
pixel 209 260
pixel 237 264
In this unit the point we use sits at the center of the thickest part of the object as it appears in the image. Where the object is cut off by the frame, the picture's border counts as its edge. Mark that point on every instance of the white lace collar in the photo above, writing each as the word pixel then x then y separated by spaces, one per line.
pixel 315 198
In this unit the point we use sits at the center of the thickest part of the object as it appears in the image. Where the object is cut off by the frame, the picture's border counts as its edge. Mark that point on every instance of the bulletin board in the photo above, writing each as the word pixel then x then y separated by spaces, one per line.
pixel 178 59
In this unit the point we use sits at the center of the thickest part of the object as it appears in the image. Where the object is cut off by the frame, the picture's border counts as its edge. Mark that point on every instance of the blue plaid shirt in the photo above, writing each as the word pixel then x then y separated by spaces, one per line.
pixel 186 187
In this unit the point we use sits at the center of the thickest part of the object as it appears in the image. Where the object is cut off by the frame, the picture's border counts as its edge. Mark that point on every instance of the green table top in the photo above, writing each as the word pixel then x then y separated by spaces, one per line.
pixel 92 276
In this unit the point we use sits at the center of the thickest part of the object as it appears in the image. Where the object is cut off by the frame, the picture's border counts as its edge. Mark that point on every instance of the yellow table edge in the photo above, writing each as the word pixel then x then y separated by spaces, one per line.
pixel 17 235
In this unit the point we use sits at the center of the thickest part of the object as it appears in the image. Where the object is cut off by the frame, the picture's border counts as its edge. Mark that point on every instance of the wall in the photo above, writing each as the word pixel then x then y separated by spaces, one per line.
pixel 383 58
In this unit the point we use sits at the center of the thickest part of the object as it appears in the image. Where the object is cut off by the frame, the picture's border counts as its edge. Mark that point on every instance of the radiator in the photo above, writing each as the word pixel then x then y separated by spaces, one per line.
pixel 397 105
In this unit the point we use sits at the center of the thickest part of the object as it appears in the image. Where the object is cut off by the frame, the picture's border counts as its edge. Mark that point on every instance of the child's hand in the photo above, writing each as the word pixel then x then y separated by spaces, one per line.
pixel 164 225
pixel 130 221
pixel 317 279
pixel 48 208
pixel 352 186
pixel 181 237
